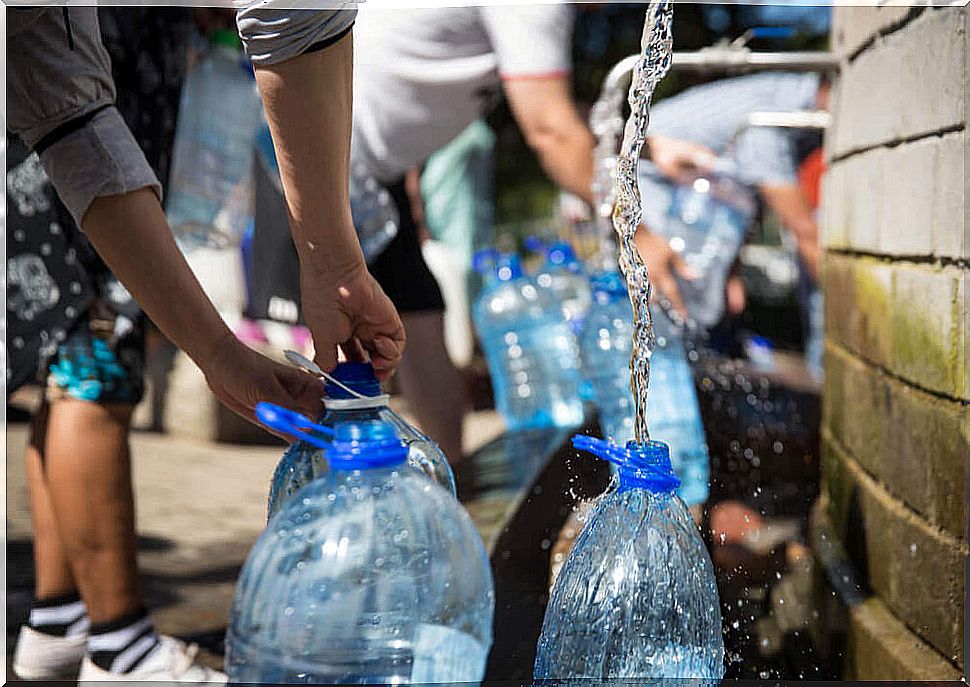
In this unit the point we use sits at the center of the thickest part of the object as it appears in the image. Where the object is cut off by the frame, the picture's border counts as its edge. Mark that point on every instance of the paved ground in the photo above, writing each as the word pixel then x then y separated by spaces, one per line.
pixel 200 507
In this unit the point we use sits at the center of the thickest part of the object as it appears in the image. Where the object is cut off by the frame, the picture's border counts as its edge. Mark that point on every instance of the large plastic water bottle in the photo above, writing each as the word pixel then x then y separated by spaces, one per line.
pixel 636 598
pixel 705 221
pixel 209 197
pixel 373 574
pixel 563 275
pixel 531 353
pixel 302 462
pixel 673 412
pixel 674 417
pixel 605 344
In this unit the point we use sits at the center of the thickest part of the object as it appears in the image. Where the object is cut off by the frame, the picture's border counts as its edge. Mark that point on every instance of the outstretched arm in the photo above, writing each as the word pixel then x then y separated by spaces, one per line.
pixel 103 178
pixel 544 110
pixel 307 98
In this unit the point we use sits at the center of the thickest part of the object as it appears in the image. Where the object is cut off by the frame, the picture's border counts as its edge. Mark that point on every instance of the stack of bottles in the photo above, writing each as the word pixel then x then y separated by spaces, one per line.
pixel 636 598
pixel 371 574
pixel 353 394
pixel 561 337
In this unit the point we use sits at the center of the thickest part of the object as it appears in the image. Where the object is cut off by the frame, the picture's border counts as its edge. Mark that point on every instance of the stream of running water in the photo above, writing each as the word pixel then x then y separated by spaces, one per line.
pixel 656 44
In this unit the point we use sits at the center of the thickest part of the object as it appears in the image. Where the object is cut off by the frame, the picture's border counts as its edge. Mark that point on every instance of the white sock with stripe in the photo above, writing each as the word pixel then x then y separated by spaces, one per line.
pixel 119 646
pixel 61 616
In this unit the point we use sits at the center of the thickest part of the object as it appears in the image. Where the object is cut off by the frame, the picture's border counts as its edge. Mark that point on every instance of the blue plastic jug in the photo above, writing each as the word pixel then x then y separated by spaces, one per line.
pixel 371 574
pixel 636 598
pixel 355 396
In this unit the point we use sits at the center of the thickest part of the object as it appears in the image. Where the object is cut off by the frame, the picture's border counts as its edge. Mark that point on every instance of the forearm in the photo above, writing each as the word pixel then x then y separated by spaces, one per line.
pixel 795 213
pixel 567 157
pixel 545 112
pixel 308 104
pixel 132 236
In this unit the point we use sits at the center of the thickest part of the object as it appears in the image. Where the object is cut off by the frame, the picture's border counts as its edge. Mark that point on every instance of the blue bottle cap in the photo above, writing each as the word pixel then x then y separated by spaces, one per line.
pixel 562 254
pixel 639 466
pixel 508 267
pixel 358 376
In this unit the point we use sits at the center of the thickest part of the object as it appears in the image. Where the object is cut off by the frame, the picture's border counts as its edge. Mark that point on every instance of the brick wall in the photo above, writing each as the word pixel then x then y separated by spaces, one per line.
pixel 896 435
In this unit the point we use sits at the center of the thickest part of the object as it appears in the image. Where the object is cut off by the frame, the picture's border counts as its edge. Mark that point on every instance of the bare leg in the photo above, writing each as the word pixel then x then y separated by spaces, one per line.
pixel 52 571
pixel 431 382
pixel 88 472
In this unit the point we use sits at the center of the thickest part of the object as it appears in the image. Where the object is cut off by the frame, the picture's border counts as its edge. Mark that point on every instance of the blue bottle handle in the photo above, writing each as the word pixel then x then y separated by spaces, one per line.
pixel 293 423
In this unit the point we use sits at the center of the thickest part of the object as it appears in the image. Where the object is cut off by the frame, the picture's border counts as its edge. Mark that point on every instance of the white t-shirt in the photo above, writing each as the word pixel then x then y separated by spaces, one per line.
pixel 422 75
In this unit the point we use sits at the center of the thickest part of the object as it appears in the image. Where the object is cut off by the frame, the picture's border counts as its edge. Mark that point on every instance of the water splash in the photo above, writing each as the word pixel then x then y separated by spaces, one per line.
pixel 656 44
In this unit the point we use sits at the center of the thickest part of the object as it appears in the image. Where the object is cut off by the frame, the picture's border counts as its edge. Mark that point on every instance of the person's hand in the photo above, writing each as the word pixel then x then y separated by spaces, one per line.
pixel 346 308
pixel 241 378
pixel 677 159
pixel 662 264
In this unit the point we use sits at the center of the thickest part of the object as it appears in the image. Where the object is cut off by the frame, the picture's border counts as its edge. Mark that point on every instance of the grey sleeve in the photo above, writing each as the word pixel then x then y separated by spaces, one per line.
pixel 273 31
pixel 766 156
pixel 60 101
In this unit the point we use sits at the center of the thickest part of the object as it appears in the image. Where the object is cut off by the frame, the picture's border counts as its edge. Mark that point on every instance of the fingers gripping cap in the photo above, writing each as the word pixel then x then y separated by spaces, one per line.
pixel 358 376
pixel 640 466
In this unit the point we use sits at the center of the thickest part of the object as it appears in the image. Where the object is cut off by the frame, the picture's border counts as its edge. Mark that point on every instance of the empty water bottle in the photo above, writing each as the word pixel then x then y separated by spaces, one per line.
pixel 563 275
pixel 372 574
pixel 532 355
pixel 705 221
pixel 209 197
pixel 355 395
pixel 636 598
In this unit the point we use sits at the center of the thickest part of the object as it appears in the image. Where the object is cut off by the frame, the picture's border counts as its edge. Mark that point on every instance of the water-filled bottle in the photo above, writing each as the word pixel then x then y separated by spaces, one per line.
pixel 371 574
pixel 532 355
pixel 636 598
pixel 673 411
pixel 674 417
pixel 375 214
pixel 209 198
pixel 705 220
pixel 563 275
pixel 605 344
pixel 302 462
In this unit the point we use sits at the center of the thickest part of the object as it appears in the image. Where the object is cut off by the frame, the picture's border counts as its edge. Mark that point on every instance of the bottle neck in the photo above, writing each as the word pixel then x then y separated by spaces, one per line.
pixel 356 403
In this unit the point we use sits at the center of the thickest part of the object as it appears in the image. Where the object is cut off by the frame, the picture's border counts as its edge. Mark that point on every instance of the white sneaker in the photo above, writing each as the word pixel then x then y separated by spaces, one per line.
pixel 46 657
pixel 172 661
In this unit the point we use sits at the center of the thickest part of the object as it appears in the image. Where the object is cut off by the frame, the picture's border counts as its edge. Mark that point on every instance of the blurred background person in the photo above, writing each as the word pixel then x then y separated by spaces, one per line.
pixel 766 159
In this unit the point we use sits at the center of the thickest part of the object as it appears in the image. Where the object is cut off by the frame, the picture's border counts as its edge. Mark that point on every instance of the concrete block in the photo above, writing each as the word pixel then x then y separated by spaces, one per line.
pixel 925 455
pixel 913 442
pixel 834 230
pixel 926 328
pixel 915 568
pixel 852 204
pixel 853 27
pixel 857 315
pixel 880 647
pixel 907 192
pixel 951 214
pixel 907 84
